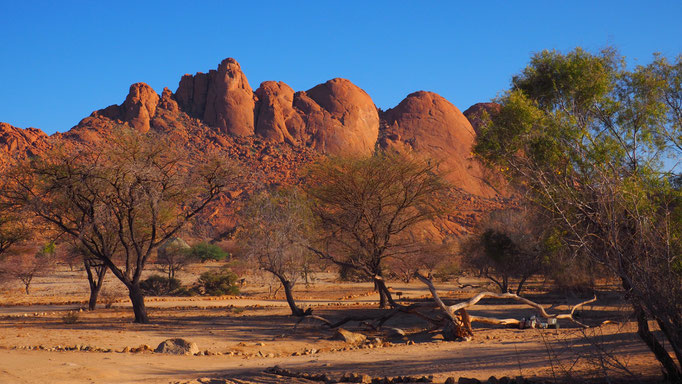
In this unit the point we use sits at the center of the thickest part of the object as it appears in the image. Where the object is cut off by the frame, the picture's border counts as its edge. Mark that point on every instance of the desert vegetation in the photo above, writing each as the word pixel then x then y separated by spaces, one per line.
pixel 581 145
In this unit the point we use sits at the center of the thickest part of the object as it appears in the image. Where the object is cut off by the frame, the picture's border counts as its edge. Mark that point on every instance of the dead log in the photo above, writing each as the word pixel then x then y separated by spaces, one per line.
pixel 459 325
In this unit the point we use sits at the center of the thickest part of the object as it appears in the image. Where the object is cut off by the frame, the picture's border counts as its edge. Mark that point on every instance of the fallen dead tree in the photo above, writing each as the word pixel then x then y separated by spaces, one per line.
pixel 454 321
pixel 458 326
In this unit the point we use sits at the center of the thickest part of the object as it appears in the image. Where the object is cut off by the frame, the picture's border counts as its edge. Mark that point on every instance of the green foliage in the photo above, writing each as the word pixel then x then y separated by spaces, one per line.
pixel 205 251
pixel 49 249
pixel 156 285
pixel 447 271
pixel 586 141
pixel 222 282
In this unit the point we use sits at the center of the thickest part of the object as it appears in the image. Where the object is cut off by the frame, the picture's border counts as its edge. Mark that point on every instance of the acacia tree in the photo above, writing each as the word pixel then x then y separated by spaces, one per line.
pixel 25 263
pixel 586 139
pixel 121 200
pixel 173 256
pixel 367 207
pixel 277 226
pixel 508 244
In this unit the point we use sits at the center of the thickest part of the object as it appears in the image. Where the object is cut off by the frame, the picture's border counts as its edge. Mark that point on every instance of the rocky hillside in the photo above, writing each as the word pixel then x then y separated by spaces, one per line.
pixel 275 131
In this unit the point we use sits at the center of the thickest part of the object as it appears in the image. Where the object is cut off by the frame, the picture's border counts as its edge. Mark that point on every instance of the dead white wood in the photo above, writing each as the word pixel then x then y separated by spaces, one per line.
pixel 450 310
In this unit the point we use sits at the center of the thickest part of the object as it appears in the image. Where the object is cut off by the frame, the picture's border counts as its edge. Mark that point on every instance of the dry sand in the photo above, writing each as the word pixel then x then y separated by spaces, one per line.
pixel 243 336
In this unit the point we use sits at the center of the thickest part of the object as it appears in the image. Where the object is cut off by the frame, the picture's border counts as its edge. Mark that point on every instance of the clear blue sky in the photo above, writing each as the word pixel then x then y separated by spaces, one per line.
pixel 60 60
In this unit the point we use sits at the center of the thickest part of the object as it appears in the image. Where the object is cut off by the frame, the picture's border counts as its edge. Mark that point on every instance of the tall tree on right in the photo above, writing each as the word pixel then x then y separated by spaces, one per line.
pixel 595 146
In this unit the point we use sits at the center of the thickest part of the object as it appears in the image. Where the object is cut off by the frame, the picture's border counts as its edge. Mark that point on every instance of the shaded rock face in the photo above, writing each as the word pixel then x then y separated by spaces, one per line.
pixel 18 142
pixel 177 347
pixel 222 98
pixel 475 114
pixel 341 118
pixel 276 118
pixel 426 124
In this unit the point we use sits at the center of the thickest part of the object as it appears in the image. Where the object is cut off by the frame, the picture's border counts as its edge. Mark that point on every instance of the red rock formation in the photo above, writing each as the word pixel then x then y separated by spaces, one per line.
pixel 426 124
pixel 336 117
pixel 222 98
pixel 139 106
pixel 476 112
pixel 341 118
pixel 276 118
pixel 19 142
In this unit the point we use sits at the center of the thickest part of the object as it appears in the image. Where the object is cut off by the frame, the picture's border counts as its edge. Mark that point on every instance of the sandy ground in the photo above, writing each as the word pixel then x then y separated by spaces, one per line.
pixel 240 337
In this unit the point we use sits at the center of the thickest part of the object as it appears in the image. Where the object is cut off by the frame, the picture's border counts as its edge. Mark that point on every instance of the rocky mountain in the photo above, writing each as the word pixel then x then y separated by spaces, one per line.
pixel 275 131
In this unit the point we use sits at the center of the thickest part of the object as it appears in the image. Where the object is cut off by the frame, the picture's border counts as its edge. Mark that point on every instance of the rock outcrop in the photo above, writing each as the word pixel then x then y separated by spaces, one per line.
pixel 475 114
pixel 19 142
pixel 426 124
pixel 275 132
pixel 222 98
pixel 276 118
pixel 341 118
pixel 139 106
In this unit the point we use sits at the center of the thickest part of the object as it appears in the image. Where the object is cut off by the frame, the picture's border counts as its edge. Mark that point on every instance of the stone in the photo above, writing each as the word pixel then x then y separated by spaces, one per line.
pixel 222 98
pixel 464 380
pixel 477 113
pixel 426 124
pixel 349 337
pixel 177 347
pixel 450 380
pixel 340 118
pixel 276 118
pixel 139 106
pixel 21 142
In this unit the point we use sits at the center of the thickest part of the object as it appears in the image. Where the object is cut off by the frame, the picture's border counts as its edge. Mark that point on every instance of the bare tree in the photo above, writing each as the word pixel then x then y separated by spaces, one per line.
pixel 277 226
pixel 121 200
pixel 25 263
pixel 367 208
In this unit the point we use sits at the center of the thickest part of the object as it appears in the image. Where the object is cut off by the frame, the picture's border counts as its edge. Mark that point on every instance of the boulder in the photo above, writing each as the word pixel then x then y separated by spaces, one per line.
pixel 349 337
pixel 20 142
pixel 177 347
pixel 477 112
pixel 465 380
pixel 426 124
pixel 340 118
pixel 222 98
pixel 276 118
pixel 139 106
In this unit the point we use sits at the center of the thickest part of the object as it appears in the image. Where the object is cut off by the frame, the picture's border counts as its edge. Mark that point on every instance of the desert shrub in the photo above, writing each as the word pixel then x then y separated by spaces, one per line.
pixel 206 251
pixel 216 283
pixel 447 271
pixel 109 297
pixel 71 317
pixel 156 285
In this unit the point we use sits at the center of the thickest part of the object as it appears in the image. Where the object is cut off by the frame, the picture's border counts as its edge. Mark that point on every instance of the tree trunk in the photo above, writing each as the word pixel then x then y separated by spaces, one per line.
pixel 137 299
pixel 385 297
pixel 519 288
pixel 295 310
pixel 95 281
pixel 672 372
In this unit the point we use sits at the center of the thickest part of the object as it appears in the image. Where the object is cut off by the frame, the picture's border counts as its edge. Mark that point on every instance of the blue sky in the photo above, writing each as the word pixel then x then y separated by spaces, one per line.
pixel 62 60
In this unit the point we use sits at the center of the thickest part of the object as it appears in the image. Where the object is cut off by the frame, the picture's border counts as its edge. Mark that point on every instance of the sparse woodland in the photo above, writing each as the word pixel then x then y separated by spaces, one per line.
pixel 587 147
